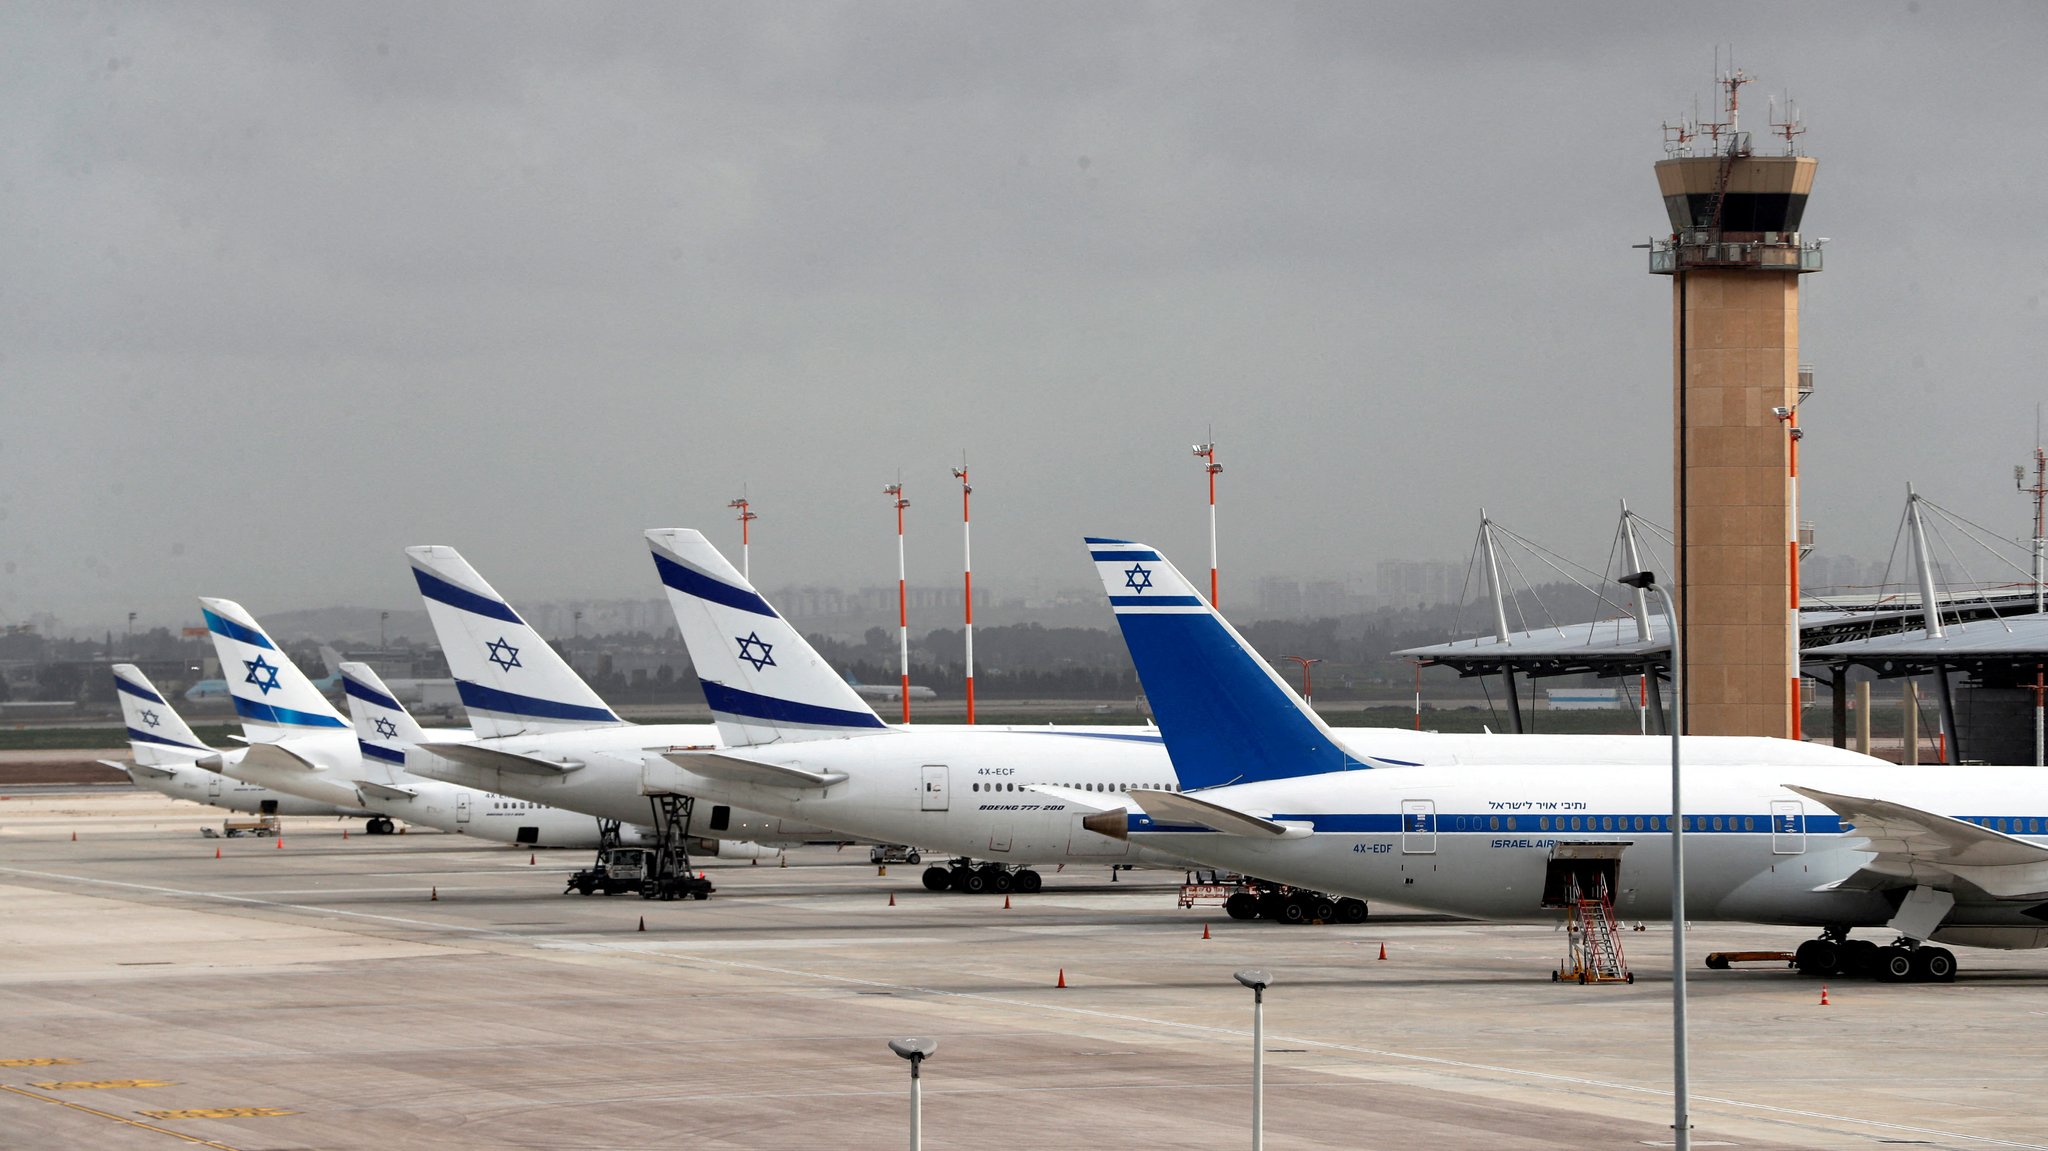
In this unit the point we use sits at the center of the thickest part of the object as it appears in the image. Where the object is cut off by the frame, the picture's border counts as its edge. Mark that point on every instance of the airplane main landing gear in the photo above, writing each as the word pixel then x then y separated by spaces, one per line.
pixel 1835 954
pixel 380 825
pixel 976 879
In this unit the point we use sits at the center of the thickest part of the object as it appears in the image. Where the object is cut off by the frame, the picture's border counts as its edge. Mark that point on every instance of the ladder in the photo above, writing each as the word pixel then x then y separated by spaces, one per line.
pixel 1593 944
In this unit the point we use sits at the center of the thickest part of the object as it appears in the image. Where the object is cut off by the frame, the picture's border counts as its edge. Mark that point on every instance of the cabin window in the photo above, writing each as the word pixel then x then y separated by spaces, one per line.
pixel 1511 823
pixel 1493 823
pixel 1607 823
pixel 1543 823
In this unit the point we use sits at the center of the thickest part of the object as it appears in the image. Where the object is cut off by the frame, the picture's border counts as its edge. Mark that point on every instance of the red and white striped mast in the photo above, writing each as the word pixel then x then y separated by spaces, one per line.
pixel 1206 452
pixel 966 576
pixel 895 493
pixel 746 517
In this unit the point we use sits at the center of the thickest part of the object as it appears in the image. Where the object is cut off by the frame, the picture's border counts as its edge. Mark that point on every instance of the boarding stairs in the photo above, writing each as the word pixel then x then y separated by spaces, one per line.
pixel 1593 941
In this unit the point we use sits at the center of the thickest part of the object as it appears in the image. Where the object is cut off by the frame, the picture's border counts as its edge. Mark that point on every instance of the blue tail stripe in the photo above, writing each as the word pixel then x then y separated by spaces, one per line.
pixel 1224 717
pixel 1155 601
pixel 283 716
pixel 1107 540
pixel 369 695
pixel 752 705
pixel 138 691
pixel 692 582
pixel 220 625
pixel 137 735
pixel 1124 555
pixel 374 751
pixel 481 698
pixel 436 588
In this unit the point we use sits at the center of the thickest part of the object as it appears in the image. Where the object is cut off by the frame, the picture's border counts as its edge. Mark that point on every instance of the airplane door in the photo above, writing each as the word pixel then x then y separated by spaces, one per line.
pixel 462 807
pixel 1788 827
pixel 1418 827
pixel 934 797
pixel 212 785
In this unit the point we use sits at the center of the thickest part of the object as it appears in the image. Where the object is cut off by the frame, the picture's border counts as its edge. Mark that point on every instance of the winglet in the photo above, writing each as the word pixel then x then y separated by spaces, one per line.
pixel 511 681
pixel 273 697
pixel 763 680
pixel 1226 716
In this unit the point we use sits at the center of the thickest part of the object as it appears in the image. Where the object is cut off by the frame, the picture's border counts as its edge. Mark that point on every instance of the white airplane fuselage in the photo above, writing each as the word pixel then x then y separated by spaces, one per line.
pixel 1478 841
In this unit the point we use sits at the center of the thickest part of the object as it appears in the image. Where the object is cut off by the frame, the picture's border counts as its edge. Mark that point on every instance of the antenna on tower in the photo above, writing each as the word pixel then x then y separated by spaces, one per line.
pixel 1791 127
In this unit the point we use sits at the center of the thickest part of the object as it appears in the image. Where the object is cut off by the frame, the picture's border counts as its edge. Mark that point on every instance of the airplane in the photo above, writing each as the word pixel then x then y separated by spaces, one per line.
pixel 384 729
pixel 164 754
pixel 888 692
pixel 799 742
pixel 545 735
pixel 300 744
pixel 1923 855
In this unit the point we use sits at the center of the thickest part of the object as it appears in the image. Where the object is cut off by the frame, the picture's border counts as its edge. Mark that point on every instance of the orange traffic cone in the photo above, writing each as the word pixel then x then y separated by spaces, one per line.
pixel 280 843
pixel 1823 995
pixel 344 833
pixel 1205 931
pixel 74 837
pixel 1383 951
pixel 1006 903
pixel 435 896
pixel 892 899
pixel 643 923
pixel 1063 978
pixel 529 859
pixel 216 853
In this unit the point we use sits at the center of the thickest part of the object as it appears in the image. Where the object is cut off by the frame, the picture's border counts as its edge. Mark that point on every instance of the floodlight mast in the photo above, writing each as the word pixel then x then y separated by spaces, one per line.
pixel 966 577
pixel 746 517
pixel 1308 686
pixel 1206 452
pixel 895 493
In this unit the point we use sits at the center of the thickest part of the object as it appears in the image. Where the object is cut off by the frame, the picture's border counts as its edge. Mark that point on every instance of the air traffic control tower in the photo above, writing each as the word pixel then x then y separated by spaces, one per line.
pixel 1735 256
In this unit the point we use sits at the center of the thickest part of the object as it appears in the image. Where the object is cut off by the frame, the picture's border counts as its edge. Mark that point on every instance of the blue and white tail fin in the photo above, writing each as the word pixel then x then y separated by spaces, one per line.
pixel 512 682
pixel 384 729
pixel 273 697
pixel 763 680
pixel 1226 716
pixel 156 733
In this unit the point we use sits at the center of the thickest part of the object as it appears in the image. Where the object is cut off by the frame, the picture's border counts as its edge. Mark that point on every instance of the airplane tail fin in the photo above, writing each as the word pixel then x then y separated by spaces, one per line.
pixel 157 734
pixel 1226 716
pixel 763 680
pixel 383 726
pixel 510 679
pixel 331 679
pixel 273 697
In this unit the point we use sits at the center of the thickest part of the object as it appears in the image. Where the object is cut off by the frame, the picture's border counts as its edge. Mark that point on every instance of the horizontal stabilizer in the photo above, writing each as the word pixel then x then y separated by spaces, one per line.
pixel 492 759
pixel 1175 807
pixel 277 755
pixel 132 769
pixel 372 792
pixel 737 769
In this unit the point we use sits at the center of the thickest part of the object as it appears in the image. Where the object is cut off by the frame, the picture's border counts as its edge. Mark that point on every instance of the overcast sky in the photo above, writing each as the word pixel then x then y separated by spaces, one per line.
pixel 285 288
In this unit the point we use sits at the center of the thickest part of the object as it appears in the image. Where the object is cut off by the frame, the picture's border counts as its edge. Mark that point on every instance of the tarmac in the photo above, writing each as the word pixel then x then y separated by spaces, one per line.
pixel 431 991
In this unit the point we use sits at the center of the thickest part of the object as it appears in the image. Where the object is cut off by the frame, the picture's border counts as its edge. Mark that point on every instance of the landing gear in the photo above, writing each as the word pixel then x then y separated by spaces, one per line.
pixel 1905 961
pixel 380 825
pixel 964 875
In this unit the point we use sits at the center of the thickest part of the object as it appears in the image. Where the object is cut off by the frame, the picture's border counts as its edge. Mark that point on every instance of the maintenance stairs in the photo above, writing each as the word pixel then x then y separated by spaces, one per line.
pixel 1593 942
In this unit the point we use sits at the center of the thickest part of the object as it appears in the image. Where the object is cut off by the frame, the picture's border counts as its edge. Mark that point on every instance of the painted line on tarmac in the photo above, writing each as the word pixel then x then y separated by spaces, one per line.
pixel 1110 1016
pixel 193 1139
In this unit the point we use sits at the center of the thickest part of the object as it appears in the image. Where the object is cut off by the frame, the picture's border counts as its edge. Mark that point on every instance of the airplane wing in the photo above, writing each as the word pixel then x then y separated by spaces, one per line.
pixel 384 791
pixel 1180 807
pixel 471 755
pixel 739 769
pixel 1921 848
pixel 1075 797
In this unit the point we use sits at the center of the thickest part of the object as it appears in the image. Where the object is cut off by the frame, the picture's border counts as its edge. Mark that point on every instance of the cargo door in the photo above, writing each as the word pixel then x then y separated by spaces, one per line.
pixel 1788 827
pixel 212 785
pixel 934 797
pixel 1418 827
pixel 462 807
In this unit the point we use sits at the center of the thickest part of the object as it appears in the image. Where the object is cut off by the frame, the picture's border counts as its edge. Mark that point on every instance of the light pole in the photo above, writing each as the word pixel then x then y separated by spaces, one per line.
pixel 1258 981
pixel 1308 687
pixel 967 578
pixel 1681 1120
pixel 1206 452
pixel 895 493
pixel 383 617
pixel 746 517
pixel 917 1051
pixel 131 635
